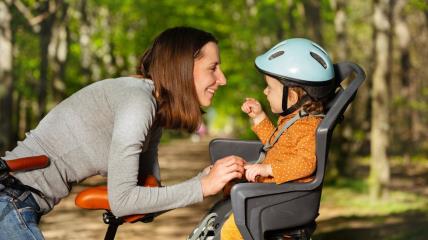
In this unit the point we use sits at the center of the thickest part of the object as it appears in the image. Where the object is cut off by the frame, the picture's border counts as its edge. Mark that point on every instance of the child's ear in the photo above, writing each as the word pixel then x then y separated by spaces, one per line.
pixel 292 95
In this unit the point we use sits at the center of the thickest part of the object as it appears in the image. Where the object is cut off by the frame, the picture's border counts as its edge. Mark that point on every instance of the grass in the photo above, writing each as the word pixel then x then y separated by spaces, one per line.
pixel 353 196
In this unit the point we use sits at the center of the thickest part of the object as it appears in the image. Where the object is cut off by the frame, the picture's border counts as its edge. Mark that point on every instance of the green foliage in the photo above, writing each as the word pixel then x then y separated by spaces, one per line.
pixel 419 5
pixel 120 31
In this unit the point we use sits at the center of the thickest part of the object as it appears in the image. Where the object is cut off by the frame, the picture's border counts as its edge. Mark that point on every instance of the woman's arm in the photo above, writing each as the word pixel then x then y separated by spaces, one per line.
pixel 134 117
pixel 148 161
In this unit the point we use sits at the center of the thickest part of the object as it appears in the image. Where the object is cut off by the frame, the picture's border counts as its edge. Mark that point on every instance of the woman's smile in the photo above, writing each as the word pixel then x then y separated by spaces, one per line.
pixel 207 74
pixel 211 92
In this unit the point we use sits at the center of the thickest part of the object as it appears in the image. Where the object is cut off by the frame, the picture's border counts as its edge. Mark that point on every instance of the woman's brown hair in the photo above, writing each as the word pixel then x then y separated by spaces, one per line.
pixel 169 63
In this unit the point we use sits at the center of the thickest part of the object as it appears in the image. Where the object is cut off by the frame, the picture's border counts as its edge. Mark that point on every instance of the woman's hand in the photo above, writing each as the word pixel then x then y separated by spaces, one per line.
pixel 252 171
pixel 253 108
pixel 223 171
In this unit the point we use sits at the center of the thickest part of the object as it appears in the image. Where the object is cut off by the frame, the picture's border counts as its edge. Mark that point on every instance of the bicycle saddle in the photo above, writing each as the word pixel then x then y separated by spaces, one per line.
pixel 96 198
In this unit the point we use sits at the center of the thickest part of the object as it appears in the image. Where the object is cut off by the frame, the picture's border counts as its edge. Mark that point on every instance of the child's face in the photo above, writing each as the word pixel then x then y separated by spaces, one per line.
pixel 273 92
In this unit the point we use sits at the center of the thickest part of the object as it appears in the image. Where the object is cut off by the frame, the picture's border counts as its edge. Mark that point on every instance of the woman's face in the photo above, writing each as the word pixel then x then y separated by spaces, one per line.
pixel 207 74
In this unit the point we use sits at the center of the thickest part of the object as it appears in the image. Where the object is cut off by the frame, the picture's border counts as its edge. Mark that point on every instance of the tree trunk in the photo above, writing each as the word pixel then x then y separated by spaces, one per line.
pixel 313 16
pixel 109 63
pixel 45 37
pixel 84 41
pixel 345 138
pixel 402 34
pixel 6 78
pixel 340 27
pixel 379 168
pixel 291 6
pixel 418 86
pixel 58 51
pixel 279 11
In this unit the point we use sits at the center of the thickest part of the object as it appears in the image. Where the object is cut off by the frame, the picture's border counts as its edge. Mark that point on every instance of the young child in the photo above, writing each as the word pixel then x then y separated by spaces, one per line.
pixel 298 96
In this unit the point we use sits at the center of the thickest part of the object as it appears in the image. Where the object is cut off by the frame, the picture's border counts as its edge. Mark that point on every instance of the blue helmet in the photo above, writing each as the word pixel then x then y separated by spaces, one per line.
pixel 300 62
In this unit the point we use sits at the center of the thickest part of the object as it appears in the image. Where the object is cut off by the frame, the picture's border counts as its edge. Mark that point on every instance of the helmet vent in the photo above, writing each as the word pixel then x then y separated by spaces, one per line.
pixel 275 55
pixel 320 48
pixel 319 59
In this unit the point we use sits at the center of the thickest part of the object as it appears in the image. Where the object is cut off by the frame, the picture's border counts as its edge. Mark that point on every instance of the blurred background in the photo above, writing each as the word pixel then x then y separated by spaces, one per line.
pixel 376 185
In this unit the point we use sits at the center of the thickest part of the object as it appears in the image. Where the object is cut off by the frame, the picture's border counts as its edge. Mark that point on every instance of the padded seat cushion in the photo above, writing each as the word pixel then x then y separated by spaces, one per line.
pixel 96 198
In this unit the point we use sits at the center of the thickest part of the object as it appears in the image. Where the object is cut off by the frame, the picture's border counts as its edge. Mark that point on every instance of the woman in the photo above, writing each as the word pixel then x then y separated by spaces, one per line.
pixel 113 128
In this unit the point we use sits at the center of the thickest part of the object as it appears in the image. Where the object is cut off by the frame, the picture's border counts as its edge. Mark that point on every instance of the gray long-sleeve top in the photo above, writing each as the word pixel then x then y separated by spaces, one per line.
pixel 105 128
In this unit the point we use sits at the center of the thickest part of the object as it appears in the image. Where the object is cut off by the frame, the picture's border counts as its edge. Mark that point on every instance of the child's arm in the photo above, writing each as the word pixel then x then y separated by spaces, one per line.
pixel 262 126
pixel 253 171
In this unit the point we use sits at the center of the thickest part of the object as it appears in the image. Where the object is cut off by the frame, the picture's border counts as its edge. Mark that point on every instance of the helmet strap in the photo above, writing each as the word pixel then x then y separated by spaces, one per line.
pixel 296 106
pixel 284 97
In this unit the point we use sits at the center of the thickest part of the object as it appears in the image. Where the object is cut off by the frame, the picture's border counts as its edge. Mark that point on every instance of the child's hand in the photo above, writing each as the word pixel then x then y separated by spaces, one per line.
pixel 207 170
pixel 252 107
pixel 252 171
pixel 254 110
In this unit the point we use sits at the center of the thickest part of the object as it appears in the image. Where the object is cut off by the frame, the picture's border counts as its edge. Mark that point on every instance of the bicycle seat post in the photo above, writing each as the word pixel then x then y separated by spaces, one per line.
pixel 113 223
